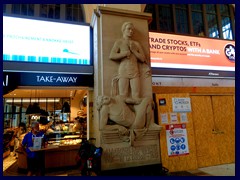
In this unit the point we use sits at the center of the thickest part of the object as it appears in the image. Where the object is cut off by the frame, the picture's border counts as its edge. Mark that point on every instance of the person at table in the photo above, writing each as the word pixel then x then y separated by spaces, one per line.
pixel 35 159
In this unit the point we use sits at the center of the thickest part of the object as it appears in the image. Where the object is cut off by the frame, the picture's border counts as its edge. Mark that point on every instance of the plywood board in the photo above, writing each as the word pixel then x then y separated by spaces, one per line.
pixel 204 128
pixel 224 118
pixel 176 163
pixel 193 90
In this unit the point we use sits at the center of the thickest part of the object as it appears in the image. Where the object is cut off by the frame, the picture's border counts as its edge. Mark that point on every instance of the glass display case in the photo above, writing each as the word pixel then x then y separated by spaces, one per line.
pixel 64 139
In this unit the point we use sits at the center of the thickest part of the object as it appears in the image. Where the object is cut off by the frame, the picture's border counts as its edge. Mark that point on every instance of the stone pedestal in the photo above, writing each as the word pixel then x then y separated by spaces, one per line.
pixel 139 144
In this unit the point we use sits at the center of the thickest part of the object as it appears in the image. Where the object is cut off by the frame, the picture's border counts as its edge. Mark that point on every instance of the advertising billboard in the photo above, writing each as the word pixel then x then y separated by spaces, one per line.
pixel 191 56
pixel 38 41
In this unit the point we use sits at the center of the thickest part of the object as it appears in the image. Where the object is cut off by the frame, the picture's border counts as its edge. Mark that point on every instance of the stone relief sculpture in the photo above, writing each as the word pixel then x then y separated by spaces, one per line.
pixel 129 53
pixel 127 114
pixel 131 115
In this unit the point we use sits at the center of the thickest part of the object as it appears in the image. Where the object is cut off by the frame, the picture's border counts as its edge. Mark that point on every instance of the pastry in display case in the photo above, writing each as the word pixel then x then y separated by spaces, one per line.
pixel 65 140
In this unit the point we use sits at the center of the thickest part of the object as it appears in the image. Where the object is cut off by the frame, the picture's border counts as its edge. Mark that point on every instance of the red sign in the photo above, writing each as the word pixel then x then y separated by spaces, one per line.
pixel 186 52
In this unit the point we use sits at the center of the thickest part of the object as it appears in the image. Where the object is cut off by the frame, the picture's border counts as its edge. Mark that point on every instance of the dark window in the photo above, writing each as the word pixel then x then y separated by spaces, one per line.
pixel 162 18
pixel 31 9
pixel 16 8
pixel 4 8
pixel 51 11
pixel 207 20
pixel 212 26
pixel 197 20
pixel 23 9
pixel 212 21
pixel 43 10
pixel 226 28
pixel 226 22
pixel 74 12
pixel 211 8
pixel 165 18
pixel 150 9
pixel 196 7
pixel 181 19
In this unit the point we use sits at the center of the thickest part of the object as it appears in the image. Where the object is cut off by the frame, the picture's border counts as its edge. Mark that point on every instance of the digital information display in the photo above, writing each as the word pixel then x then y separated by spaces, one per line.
pixel 30 40
pixel 213 56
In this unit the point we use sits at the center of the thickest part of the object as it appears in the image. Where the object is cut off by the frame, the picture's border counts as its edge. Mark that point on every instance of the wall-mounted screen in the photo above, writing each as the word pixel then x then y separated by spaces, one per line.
pixel 191 56
pixel 38 41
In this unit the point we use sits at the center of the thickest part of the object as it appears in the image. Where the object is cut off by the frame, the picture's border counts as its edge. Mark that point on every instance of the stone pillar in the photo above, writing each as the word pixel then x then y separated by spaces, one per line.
pixel 123 123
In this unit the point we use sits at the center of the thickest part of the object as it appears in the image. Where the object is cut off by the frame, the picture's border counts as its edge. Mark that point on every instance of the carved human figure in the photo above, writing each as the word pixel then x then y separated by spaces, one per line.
pixel 126 113
pixel 129 53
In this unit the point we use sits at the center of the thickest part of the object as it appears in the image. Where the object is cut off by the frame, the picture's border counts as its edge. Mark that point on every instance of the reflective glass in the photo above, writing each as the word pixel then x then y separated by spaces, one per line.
pixel 4 8
pixel 165 19
pixel 197 21
pixel 31 9
pixel 224 9
pixel 183 6
pixel 226 28
pixel 16 8
pixel 182 22
pixel 196 7
pixel 211 8
pixel 43 10
pixel 212 26
pixel 74 13
pixel 24 9
pixel 150 8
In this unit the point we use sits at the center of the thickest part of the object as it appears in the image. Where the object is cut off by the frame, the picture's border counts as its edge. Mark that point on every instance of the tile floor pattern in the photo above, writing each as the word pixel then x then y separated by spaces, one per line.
pixel 220 170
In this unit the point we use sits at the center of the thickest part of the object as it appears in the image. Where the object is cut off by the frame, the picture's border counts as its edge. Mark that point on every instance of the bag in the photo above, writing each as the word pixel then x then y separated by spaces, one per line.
pixel 98 152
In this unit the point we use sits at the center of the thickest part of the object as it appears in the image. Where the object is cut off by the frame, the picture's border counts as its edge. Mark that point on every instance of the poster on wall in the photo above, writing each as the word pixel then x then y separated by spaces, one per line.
pixel 173 118
pixel 181 104
pixel 177 142
pixel 183 117
pixel 164 118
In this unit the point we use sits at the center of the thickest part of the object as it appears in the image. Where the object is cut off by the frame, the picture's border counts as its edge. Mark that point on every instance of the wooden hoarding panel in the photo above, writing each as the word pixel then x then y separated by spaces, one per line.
pixel 175 163
pixel 204 128
pixel 224 118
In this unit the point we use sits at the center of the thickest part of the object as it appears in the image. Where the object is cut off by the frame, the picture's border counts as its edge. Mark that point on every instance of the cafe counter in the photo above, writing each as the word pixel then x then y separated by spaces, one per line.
pixel 55 156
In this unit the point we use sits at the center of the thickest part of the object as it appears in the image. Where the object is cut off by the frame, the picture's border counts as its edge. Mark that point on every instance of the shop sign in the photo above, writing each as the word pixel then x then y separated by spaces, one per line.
pixel 47 79
pixel 52 79
pixel 177 141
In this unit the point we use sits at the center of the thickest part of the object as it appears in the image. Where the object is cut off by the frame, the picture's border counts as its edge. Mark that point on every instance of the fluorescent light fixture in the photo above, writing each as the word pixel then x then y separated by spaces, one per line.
pixel 24 100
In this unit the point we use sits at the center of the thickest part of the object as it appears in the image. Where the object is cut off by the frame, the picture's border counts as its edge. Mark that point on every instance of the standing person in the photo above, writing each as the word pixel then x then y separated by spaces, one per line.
pixel 129 53
pixel 34 159
pixel 19 137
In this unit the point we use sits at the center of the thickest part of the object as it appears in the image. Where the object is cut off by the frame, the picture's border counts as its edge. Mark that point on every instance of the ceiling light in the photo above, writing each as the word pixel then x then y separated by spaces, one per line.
pixel 18 100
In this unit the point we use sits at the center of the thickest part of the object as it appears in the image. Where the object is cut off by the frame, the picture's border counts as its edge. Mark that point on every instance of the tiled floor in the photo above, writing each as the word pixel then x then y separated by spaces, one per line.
pixel 220 170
